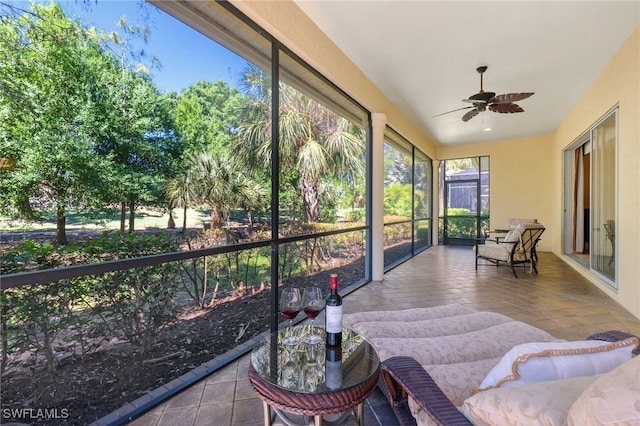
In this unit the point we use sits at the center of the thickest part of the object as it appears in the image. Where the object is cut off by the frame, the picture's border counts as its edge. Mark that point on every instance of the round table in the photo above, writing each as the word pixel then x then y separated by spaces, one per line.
pixel 311 379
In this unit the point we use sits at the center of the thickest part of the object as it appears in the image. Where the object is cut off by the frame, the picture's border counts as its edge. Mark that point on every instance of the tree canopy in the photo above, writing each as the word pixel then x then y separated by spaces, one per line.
pixel 87 129
pixel 314 141
pixel 84 128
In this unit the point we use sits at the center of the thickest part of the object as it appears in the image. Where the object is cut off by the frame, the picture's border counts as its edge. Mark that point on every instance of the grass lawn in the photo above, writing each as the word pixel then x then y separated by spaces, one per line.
pixel 108 220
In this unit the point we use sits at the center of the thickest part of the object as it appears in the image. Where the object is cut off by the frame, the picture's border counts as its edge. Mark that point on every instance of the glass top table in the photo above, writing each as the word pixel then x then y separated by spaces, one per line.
pixel 312 379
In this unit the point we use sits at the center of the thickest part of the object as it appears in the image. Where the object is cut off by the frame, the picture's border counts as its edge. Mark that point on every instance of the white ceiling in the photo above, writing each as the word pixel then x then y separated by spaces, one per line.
pixel 423 55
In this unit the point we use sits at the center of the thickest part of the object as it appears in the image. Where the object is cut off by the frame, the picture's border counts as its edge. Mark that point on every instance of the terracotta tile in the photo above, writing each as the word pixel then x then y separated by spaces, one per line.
pixel 189 397
pixel 248 412
pixel 243 372
pixel 218 392
pixel 148 419
pixel 227 374
pixel 178 417
pixel 244 390
pixel 216 414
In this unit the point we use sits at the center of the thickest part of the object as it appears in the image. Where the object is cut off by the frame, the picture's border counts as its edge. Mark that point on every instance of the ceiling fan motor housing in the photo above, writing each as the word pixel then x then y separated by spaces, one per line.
pixel 482 97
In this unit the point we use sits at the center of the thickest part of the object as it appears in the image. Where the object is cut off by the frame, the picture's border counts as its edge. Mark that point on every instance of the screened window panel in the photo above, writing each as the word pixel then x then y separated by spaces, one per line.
pixel 322 150
pixel 423 175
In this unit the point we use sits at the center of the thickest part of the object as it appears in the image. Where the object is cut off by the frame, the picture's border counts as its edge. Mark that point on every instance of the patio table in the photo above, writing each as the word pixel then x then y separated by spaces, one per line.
pixel 312 380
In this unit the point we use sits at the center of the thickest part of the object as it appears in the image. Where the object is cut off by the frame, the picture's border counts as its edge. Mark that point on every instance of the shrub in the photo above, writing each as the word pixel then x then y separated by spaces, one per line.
pixel 136 303
pixel 356 215
pixel 61 315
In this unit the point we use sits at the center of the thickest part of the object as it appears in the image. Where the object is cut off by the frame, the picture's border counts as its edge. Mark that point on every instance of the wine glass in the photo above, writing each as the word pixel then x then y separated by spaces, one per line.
pixel 290 374
pixel 312 302
pixel 312 371
pixel 290 306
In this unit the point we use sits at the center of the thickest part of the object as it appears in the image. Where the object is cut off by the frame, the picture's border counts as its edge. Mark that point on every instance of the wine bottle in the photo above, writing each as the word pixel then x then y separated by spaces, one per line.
pixel 333 314
pixel 333 367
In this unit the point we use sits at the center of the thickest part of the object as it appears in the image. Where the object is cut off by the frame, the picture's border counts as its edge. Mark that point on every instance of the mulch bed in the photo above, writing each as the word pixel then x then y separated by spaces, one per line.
pixel 84 389
pixel 90 387
pixel 95 385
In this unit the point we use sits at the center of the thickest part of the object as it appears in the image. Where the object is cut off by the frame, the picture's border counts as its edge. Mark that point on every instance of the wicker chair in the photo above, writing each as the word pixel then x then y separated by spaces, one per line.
pixel 516 248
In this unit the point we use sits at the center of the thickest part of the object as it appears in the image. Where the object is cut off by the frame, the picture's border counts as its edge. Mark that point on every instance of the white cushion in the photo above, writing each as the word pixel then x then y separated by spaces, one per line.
pixel 542 403
pixel 495 251
pixel 459 362
pixel 419 327
pixel 541 361
pixel 513 222
pixel 612 399
pixel 407 315
pixel 513 235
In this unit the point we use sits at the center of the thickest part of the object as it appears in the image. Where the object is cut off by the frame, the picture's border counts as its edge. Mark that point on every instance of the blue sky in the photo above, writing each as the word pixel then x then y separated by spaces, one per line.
pixel 186 56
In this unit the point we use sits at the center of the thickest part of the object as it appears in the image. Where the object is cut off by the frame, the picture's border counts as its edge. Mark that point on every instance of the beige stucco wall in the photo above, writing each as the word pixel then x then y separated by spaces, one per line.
pixel 519 185
pixel 541 159
pixel 618 84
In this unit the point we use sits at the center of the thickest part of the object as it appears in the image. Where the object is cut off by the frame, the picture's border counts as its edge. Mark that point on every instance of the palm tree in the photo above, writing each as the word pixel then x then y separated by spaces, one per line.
pixel 219 182
pixel 249 195
pixel 181 193
pixel 314 140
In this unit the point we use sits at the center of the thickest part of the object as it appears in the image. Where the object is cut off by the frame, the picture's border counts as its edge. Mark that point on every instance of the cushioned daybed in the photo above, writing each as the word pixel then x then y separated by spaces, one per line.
pixel 454 365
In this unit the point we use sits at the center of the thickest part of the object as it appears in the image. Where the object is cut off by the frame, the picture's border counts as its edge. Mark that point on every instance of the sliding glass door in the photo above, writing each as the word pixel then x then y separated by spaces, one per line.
pixel 590 198
pixel 603 190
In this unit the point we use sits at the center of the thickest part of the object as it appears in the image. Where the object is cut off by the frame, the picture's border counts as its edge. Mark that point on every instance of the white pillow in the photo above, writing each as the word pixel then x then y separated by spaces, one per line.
pixel 543 361
pixel 542 403
pixel 513 235
pixel 612 399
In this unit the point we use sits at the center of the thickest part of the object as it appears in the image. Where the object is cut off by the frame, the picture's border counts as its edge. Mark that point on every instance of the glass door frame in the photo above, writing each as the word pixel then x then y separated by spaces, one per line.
pixel 568 210
pixel 480 219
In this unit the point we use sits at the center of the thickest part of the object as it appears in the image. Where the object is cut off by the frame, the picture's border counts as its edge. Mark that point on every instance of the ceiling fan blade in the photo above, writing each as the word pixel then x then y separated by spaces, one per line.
pixel 468 116
pixel 459 109
pixel 510 97
pixel 505 108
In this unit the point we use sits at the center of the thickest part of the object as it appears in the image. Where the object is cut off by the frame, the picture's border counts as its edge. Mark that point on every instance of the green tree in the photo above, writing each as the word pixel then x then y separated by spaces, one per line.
pixel 47 69
pixel 314 141
pixel 181 192
pixel 397 199
pixel 397 165
pixel 251 195
pixel 85 128
pixel 205 116
pixel 138 134
pixel 218 182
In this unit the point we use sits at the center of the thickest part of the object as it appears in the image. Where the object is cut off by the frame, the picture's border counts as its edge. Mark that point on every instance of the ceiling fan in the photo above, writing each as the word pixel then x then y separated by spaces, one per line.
pixel 483 101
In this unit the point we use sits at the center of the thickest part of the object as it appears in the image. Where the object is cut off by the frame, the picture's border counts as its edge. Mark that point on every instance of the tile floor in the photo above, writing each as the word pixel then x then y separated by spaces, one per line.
pixel 558 300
